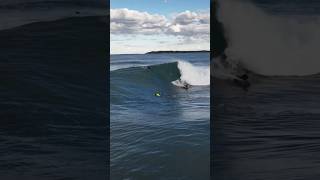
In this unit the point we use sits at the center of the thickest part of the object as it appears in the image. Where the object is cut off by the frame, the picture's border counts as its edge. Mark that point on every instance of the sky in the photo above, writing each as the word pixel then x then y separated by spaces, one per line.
pixel 140 26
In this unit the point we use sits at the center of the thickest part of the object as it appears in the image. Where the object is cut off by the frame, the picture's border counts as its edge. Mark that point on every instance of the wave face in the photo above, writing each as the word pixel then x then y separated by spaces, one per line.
pixel 146 76
pixel 140 83
pixel 161 76
pixel 267 44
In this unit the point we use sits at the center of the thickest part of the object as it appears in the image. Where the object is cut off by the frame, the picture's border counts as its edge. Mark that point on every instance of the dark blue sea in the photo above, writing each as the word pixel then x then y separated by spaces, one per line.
pixel 53 70
pixel 166 137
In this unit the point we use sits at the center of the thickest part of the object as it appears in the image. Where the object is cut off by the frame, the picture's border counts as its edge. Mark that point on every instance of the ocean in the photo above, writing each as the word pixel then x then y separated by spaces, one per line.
pixel 270 129
pixel 53 92
pixel 166 137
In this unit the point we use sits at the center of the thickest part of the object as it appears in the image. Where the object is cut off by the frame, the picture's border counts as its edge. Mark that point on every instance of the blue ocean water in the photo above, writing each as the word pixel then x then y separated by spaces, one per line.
pixel 53 91
pixel 166 137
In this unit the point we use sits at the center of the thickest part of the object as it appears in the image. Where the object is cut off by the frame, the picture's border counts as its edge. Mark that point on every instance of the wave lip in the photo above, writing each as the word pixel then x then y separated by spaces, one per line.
pixel 192 75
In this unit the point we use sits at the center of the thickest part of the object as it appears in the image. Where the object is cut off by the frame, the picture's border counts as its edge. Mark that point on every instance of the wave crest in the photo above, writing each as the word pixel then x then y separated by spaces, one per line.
pixel 192 75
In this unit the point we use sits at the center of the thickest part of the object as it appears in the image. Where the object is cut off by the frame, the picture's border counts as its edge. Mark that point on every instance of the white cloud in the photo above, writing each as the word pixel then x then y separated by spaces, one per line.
pixel 125 21
pixel 186 17
pixel 191 24
pixel 187 24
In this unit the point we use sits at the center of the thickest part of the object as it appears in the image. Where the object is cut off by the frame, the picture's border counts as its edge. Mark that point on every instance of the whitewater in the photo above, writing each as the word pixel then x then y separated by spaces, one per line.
pixel 192 75
pixel 270 44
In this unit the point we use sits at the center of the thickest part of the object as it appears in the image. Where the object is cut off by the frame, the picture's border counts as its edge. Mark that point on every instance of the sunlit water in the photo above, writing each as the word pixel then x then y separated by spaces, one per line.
pixel 164 137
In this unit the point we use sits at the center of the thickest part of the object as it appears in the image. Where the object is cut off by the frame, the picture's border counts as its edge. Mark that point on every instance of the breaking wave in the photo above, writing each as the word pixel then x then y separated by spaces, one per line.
pixel 145 80
pixel 268 44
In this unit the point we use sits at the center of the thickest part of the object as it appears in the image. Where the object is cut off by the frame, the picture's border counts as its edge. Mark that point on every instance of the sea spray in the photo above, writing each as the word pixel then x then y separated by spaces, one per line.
pixel 267 44
pixel 192 75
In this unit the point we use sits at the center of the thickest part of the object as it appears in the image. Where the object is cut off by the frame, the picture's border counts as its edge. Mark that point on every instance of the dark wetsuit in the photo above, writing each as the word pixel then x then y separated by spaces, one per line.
pixel 186 86
pixel 244 83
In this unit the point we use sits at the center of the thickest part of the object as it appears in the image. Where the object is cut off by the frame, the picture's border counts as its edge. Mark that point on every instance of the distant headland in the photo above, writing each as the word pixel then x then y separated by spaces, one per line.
pixel 158 52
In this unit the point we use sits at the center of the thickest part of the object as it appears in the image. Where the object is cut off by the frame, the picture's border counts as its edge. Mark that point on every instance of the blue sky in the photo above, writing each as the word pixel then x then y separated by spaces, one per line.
pixel 162 6
pixel 140 26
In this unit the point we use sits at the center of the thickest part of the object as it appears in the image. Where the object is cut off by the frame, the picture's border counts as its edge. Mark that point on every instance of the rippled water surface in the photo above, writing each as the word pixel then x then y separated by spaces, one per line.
pixel 153 137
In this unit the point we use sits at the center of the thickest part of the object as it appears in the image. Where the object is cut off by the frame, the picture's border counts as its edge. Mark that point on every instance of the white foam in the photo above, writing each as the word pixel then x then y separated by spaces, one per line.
pixel 192 75
pixel 270 44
